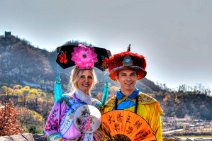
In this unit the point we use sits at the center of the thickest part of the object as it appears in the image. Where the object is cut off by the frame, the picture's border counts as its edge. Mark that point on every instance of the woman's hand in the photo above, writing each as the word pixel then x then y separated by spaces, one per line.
pixel 98 136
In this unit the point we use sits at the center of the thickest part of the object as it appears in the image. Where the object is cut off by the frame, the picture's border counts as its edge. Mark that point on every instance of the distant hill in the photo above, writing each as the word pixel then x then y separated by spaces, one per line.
pixel 22 63
pixel 180 105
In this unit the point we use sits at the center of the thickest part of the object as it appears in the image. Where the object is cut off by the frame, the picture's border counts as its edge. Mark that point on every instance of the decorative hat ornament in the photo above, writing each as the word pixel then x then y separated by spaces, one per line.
pixel 57 87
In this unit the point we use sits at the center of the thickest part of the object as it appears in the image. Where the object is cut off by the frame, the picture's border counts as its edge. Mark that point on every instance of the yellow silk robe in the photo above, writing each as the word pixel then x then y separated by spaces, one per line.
pixel 148 108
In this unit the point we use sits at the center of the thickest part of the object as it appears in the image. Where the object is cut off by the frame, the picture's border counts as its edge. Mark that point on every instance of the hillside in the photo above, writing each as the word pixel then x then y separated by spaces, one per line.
pixel 23 64
pixel 180 105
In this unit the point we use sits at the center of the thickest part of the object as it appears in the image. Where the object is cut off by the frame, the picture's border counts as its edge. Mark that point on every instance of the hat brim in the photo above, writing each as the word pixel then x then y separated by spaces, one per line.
pixel 141 73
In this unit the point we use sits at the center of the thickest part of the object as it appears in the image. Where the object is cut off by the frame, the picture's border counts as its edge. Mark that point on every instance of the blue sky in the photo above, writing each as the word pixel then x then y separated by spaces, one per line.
pixel 175 36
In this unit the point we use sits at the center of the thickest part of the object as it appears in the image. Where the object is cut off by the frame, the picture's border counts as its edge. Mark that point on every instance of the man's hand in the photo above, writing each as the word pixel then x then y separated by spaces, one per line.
pixel 98 136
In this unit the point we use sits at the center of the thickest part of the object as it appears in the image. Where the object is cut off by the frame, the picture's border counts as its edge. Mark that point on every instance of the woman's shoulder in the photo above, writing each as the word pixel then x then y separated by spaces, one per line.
pixel 67 97
pixel 110 102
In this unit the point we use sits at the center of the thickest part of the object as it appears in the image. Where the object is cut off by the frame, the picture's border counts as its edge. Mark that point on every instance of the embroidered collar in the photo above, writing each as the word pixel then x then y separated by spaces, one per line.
pixel 83 97
pixel 120 95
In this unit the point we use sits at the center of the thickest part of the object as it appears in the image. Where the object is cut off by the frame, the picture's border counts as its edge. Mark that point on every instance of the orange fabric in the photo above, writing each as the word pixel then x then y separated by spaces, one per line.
pixel 128 124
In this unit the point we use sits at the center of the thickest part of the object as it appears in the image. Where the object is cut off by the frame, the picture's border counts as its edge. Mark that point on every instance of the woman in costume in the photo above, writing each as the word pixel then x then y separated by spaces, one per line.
pixel 60 123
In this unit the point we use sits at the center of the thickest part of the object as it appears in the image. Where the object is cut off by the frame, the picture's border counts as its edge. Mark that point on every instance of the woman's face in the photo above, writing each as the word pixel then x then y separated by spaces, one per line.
pixel 85 81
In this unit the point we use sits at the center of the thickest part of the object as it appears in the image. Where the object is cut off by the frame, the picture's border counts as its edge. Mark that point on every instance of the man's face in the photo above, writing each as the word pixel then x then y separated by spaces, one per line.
pixel 127 79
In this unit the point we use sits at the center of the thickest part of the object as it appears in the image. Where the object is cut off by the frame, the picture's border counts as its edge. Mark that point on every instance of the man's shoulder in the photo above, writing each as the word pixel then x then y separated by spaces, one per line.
pixel 142 99
pixel 111 102
pixel 146 99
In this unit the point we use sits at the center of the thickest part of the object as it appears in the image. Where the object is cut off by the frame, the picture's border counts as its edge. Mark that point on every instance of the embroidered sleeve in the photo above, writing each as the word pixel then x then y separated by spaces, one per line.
pixel 155 120
pixel 51 127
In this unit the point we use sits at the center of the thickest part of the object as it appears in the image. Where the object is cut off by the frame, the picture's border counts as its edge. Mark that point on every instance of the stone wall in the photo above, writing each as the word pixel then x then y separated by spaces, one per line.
pixel 18 137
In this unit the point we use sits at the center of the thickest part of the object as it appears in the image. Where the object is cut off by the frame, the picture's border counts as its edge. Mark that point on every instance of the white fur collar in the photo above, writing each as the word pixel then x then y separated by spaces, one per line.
pixel 83 97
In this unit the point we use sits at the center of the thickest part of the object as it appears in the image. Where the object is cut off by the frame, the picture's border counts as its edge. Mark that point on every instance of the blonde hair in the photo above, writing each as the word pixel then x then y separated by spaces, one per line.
pixel 75 75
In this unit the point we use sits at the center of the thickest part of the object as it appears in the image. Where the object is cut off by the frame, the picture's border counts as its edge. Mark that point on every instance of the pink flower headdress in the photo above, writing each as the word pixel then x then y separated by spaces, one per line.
pixel 84 57
pixel 81 56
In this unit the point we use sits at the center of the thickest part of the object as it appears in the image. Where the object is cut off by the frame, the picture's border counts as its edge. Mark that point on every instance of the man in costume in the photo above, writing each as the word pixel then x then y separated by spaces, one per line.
pixel 127 68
